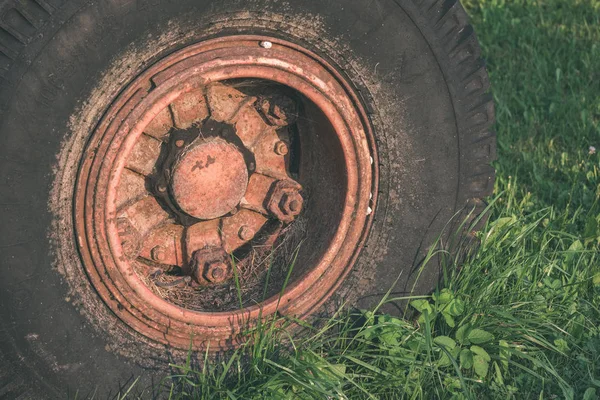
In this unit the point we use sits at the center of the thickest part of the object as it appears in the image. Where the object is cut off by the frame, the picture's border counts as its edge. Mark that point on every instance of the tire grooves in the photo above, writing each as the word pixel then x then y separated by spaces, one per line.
pixel 21 22
pixel 473 103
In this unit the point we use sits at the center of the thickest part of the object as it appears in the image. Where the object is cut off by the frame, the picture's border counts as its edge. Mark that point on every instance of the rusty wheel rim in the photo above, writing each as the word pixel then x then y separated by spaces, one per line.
pixel 116 220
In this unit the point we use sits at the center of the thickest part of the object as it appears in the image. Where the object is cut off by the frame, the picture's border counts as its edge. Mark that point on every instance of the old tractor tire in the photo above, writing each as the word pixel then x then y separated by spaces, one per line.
pixel 146 145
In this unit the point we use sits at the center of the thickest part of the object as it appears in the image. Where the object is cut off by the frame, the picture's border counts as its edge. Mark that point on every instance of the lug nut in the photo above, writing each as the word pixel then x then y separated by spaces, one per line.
pixel 281 148
pixel 158 253
pixel 209 265
pixel 216 272
pixel 286 201
pixel 291 204
pixel 246 233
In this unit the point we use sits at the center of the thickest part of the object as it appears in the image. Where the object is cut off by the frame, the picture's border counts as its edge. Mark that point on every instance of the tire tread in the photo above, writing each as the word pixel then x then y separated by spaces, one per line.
pixel 468 80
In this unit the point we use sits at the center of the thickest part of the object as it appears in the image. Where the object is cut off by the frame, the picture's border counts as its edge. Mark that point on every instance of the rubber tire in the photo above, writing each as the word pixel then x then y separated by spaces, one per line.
pixel 416 64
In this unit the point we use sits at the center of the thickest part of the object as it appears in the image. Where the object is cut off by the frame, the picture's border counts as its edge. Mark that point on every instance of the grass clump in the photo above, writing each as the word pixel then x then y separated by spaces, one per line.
pixel 521 317
pixel 518 320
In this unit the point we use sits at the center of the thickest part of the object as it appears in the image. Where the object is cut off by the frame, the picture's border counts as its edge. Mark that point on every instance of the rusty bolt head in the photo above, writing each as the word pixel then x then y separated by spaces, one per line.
pixel 179 143
pixel 216 272
pixel 286 201
pixel 279 110
pixel 246 232
pixel 291 204
pixel 210 265
pixel 281 148
pixel 158 253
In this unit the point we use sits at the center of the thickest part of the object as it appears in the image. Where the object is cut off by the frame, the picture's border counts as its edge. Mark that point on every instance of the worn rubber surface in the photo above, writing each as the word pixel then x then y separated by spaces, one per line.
pixel 418 68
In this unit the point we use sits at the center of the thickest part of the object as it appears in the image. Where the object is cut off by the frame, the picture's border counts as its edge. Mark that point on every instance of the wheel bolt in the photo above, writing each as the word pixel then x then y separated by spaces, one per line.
pixel 295 205
pixel 285 202
pixel 281 148
pixel 216 272
pixel 158 253
pixel 209 265
pixel 246 233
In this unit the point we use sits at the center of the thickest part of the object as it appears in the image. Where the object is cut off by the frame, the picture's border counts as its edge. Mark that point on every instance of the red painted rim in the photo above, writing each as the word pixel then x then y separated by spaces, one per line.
pixel 112 142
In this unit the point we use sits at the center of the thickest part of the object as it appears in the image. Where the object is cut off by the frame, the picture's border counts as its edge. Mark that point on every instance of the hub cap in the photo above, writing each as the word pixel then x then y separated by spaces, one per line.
pixel 209 179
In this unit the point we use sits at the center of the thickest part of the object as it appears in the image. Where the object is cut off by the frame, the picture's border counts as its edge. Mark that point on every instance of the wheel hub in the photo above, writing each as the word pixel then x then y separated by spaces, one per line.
pixel 218 183
pixel 209 179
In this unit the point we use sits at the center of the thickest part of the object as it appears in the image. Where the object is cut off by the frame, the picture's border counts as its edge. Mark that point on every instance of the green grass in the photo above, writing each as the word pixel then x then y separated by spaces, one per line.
pixel 521 319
